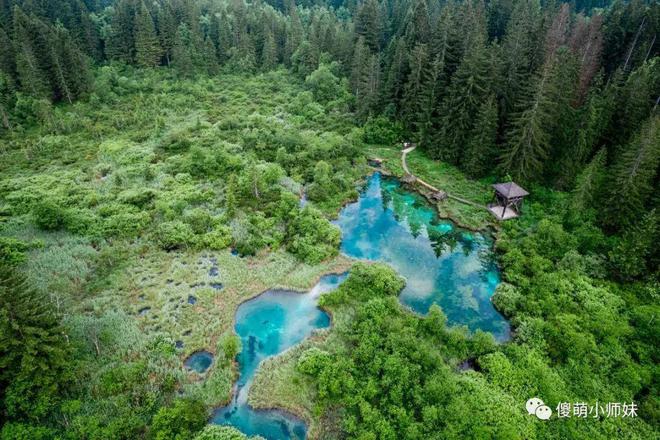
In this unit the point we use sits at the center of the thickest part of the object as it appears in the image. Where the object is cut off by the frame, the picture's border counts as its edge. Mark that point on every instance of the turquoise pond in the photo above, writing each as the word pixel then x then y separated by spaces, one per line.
pixel 442 264
pixel 268 325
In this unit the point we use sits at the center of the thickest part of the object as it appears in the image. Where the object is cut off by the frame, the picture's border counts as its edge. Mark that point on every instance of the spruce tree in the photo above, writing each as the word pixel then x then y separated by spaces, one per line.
pixel 469 88
pixel 631 255
pixel 520 48
pixel 269 52
pixel 120 43
pixel 396 72
pixel 6 100
pixel 588 187
pixel 481 150
pixel 415 93
pixel 147 46
pixel 633 176
pixel 527 139
pixel 33 350
pixel 32 76
pixel 368 24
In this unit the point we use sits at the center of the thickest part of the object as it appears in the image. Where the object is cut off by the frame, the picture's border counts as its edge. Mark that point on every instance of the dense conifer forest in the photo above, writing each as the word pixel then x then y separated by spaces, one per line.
pixel 143 140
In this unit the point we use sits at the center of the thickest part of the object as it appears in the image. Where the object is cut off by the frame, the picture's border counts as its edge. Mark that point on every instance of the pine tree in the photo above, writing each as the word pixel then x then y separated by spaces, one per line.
pixel 481 150
pixel 396 72
pixel 6 100
pixel 528 140
pixel 120 43
pixel 588 187
pixel 633 176
pixel 295 32
pixel 33 351
pixel 469 88
pixel 167 29
pixel 520 47
pixel 32 77
pixel 147 47
pixel 415 92
pixel 368 24
pixel 630 256
pixel 368 88
pixel 418 27
pixel 269 52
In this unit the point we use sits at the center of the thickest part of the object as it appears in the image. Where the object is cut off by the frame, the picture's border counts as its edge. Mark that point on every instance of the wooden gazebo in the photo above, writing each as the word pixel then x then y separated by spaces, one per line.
pixel 507 200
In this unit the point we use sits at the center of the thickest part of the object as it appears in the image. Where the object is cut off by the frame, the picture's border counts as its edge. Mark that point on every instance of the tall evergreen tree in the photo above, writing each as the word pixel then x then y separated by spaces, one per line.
pixel 33 350
pixel 32 76
pixel 269 52
pixel 368 24
pixel 633 176
pixel 147 46
pixel 481 150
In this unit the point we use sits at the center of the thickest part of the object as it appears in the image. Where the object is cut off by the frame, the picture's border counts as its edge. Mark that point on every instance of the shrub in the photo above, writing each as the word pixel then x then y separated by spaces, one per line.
pixel 366 281
pixel 313 361
pixel 199 220
pixel 219 238
pixel 180 421
pixel 381 130
pixel 140 197
pixel 311 237
pixel 174 235
pixel 48 215
pixel 213 432
pixel 12 251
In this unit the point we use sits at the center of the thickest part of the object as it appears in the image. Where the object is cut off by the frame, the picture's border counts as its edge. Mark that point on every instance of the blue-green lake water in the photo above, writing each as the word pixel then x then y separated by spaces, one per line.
pixel 268 325
pixel 442 264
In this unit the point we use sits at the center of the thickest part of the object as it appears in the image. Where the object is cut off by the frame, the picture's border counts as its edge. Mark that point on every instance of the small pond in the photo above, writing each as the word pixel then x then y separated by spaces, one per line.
pixel 268 325
pixel 199 361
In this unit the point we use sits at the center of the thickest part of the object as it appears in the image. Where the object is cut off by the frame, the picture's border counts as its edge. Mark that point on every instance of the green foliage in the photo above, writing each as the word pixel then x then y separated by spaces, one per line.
pixel 213 432
pixel 324 84
pixel 33 353
pixel 180 421
pixel 174 235
pixel 12 251
pixel 49 215
pixel 365 281
pixel 381 130
pixel 630 256
pixel 311 237
pixel 230 345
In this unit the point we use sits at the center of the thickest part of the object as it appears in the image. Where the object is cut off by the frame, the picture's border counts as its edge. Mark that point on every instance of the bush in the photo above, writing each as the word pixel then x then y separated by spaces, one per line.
pixel 312 238
pixel 213 432
pixel 219 238
pixel 381 130
pixel 141 197
pixel 174 235
pixel 12 251
pixel 180 421
pixel 365 281
pixel 48 215
pixel 313 361
pixel 199 220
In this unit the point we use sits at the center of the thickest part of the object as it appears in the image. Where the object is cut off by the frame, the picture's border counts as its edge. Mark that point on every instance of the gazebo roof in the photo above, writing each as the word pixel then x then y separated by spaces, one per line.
pixel 510 190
